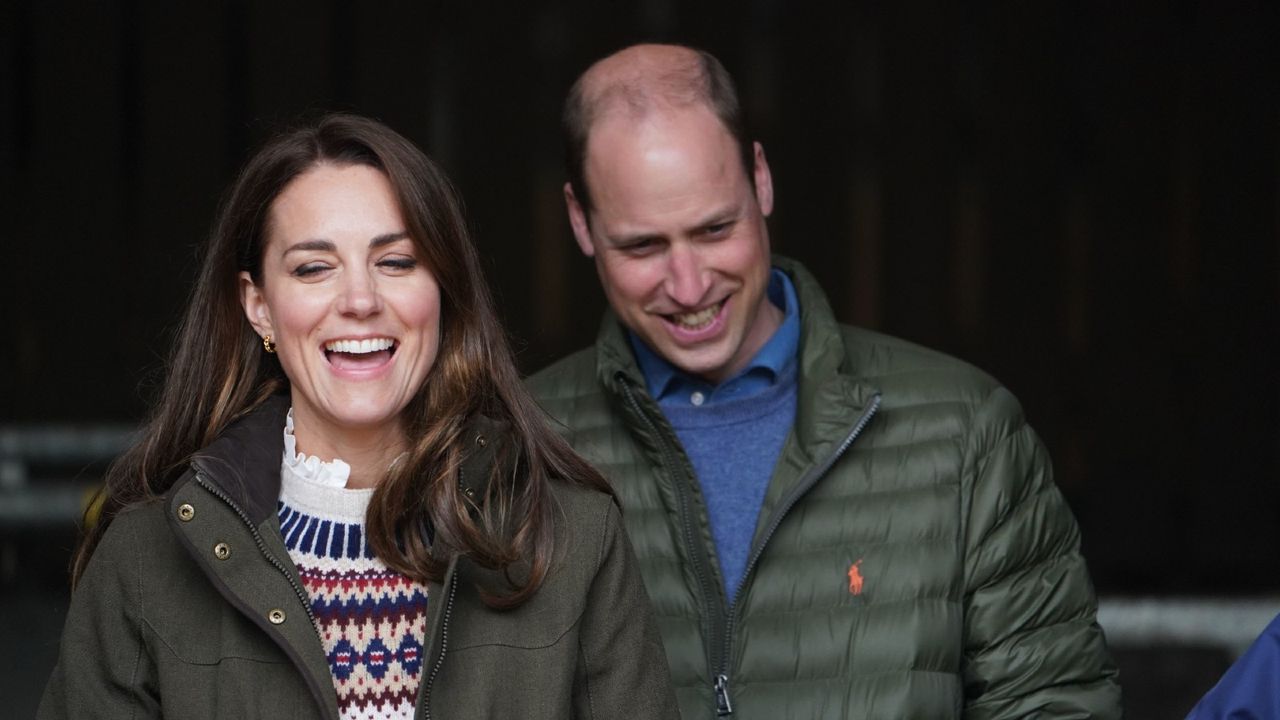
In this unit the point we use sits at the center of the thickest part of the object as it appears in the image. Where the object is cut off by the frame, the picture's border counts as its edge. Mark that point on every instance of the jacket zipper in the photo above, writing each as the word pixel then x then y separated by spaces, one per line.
pixel 724 705
pixel 444 646
pixel 712 611
pixel 270 558
pixel 257 538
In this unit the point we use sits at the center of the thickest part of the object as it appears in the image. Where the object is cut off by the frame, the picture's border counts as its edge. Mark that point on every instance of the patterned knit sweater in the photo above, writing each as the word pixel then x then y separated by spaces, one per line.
pixel 371 619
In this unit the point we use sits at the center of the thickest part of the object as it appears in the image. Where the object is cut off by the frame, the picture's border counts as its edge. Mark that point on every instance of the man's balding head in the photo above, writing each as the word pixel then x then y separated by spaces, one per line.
pixel 675 217
pixel 643 79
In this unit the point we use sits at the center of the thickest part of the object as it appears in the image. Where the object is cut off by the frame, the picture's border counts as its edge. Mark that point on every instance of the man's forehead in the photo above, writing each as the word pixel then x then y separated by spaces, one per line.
pixel 669 171
pixel 688 131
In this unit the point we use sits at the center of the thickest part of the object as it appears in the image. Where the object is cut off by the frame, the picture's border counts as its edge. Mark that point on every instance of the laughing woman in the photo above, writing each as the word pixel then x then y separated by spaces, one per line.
pixel 344 504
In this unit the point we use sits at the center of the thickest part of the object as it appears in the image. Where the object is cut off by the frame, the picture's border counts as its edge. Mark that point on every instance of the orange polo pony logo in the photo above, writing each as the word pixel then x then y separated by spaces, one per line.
pixel 855 578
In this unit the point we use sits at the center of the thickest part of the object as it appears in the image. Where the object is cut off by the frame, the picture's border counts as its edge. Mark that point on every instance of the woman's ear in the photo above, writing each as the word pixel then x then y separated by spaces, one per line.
pixel 255 305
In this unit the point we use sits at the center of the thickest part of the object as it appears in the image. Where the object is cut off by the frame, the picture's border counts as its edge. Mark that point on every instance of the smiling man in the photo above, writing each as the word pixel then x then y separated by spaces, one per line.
pixel 830 522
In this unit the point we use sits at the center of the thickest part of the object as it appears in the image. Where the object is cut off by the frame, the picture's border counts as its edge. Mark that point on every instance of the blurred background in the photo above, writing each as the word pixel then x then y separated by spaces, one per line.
pixel 1081 198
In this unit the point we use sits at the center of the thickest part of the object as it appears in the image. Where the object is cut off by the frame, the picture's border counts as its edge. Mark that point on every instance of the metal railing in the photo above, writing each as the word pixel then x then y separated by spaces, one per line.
pixel 1231 624
pixel 42 482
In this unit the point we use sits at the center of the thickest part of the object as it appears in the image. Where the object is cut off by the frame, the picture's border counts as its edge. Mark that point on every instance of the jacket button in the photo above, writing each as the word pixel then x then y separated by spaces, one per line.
pixel 186 512
pixel 222 551
pixel 276 616
pixel 481 440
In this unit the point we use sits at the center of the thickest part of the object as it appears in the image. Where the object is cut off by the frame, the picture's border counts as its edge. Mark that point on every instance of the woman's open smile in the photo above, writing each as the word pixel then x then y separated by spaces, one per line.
pixel 351 307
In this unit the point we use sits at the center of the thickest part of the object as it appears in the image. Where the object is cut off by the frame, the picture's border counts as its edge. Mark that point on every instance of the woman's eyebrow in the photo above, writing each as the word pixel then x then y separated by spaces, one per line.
pixel 328 246
pixel 387 239
pixel 324 245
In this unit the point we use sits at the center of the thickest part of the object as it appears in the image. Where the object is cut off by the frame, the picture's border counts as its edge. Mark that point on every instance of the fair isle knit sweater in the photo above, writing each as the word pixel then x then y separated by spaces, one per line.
pixel 371 620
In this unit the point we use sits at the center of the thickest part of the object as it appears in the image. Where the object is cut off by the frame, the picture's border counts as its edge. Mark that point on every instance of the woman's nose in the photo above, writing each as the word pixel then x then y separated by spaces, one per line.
pixel 359 296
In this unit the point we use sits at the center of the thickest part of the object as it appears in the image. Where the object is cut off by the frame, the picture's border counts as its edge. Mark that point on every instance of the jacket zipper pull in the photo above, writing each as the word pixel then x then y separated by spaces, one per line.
pixel 723 705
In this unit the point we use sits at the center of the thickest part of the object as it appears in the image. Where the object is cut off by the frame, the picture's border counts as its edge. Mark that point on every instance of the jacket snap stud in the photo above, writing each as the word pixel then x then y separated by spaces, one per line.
pixel 222 551
pixel 276 616
pixel 481 440
pixel 186 512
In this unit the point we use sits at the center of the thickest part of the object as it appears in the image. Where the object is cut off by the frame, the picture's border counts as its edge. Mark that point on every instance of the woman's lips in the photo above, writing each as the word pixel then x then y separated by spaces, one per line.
pixel 360 355
pixel 359 361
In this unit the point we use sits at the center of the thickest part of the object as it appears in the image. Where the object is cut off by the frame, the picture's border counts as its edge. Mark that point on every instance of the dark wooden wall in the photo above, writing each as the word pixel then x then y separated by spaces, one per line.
pixel 1082 198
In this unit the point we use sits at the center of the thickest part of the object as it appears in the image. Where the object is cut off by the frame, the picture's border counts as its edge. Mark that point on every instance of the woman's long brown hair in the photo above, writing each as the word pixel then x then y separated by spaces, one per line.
pixel 217 373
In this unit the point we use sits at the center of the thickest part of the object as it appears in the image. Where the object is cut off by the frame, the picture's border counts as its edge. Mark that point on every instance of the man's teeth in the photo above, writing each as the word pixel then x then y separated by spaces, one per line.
pixel 697 319
pixel 359 347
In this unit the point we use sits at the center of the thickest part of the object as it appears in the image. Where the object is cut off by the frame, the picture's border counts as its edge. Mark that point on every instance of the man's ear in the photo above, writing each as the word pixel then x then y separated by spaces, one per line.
pixel 764 180
pixel 255 305
pixel 578 220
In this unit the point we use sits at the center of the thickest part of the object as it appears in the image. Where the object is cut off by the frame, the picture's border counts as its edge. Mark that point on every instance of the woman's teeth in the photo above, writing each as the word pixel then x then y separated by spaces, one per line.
pixel 359 347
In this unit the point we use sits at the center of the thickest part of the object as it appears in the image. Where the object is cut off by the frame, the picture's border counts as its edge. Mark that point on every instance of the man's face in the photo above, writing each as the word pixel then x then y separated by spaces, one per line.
pixel 679 237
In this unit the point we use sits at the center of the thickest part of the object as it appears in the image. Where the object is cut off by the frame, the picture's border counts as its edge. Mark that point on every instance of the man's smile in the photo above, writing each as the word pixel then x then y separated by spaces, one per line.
pixel 698 319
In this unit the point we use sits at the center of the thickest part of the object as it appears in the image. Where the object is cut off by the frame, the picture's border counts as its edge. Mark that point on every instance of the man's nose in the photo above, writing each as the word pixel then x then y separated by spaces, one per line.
pixel 359 295
pixel 687 281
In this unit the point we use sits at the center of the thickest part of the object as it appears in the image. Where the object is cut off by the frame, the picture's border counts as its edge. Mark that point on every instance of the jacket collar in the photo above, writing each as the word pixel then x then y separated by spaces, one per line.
pixel 832 392
pixel 829 386
pixel 244 462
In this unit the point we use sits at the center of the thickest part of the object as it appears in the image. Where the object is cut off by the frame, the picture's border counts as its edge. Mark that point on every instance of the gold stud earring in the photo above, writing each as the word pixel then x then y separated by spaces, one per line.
pixel 268 345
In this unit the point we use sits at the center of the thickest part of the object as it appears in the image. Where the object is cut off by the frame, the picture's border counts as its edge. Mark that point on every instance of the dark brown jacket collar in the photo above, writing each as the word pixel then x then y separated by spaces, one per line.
pixel 244 462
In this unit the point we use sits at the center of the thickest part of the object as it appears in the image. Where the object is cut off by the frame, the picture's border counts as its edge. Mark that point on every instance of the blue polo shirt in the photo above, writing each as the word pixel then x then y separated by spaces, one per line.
pixel 733 432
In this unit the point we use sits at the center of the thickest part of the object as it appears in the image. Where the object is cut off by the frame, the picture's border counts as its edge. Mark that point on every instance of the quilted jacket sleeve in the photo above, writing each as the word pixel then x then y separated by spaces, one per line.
pixel 622 669
pixel 1032 645
pixel 103 668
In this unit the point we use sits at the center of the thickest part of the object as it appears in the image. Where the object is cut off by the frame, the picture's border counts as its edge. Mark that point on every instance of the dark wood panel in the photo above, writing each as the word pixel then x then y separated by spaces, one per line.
pixel 1081 199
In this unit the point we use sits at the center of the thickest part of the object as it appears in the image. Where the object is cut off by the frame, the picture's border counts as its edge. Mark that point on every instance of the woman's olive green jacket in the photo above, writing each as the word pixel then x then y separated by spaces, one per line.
pixel 191 608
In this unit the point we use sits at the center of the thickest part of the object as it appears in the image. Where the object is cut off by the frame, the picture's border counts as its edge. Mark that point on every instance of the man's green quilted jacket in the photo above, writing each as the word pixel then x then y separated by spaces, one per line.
pixel 912 559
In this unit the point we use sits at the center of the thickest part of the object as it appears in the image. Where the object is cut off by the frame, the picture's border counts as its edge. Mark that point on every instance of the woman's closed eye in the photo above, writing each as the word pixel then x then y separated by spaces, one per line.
pixel 310 269
pixel 398 262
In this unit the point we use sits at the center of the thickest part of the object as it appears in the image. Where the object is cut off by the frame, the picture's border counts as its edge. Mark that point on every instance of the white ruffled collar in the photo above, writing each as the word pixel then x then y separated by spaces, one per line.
pixel 310 468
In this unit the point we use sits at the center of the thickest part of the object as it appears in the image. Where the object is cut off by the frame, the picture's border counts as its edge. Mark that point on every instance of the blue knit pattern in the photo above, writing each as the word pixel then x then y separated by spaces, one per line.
pixel 371 619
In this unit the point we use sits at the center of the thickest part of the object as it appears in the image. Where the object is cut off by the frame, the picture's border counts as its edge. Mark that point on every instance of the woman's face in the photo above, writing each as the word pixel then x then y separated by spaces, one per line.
pixel 353 310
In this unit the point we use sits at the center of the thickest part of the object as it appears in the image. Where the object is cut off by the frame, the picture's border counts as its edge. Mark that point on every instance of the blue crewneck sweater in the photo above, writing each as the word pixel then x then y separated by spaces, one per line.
pixel 733 432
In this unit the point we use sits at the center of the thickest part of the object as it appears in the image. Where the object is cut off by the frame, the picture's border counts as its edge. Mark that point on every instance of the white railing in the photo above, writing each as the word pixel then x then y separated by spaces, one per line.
pixel 1231 624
